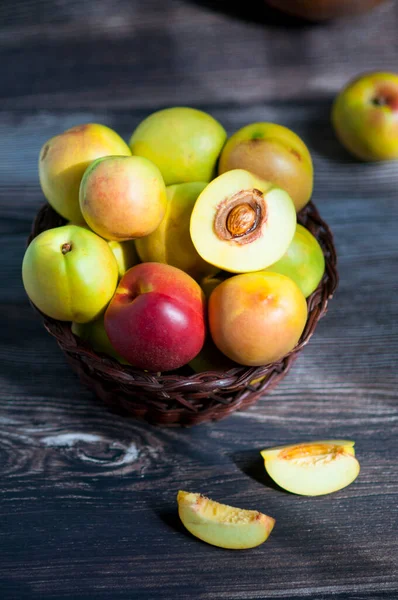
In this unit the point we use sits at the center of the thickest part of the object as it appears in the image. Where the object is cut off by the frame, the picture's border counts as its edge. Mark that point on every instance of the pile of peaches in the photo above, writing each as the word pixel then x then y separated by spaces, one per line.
pixel 183 246
pixel 180 248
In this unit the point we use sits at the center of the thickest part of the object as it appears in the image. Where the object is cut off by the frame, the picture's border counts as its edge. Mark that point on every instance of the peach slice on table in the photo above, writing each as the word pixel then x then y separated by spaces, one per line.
pixel 222 525
pixel 312 468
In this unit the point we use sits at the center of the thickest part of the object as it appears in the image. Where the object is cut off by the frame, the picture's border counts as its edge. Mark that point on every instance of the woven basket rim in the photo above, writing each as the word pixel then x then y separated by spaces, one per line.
pixel 165 386
pixel 318 297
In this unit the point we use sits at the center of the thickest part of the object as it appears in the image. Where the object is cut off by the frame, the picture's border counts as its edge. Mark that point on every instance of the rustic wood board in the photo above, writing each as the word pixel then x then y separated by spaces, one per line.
pixel 87 498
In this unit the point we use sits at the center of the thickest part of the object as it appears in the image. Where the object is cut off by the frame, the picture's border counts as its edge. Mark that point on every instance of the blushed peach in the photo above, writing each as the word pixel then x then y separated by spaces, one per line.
pixel 274 153
pixel 365 116
pixel 257 318
pixel 123 197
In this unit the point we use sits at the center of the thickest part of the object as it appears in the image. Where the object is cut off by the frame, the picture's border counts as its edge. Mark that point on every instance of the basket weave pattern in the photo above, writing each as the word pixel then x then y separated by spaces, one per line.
pixel 183 398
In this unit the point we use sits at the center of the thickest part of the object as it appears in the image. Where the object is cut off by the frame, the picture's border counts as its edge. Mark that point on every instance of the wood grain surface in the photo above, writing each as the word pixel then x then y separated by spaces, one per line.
pixel 87 498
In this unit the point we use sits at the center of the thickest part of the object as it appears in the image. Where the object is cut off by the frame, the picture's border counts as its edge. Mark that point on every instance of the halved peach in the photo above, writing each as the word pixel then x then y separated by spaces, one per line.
pixel 312 468
pixel 241 223
pixel 222 525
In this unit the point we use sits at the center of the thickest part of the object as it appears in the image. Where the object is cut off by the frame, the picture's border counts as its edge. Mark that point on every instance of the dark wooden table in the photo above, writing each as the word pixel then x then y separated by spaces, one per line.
pixel 88 504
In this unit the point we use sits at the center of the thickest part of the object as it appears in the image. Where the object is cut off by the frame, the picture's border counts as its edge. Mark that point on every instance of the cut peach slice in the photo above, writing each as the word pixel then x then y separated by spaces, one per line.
pixel 312 468
pixel 241 223
pixel 222 525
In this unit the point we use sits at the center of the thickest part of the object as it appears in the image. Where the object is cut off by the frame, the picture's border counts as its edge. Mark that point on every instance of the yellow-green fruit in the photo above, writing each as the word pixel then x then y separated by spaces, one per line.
pixel 274 153
pixel 171 242
pixel 303 261
pixel 183 142
pixel 95 335
pixel 125 254
pixel 70 273
pixel 210 358
pixel 210 282
pixel 241 223
pixel 222 525
pixel 365 116
pixel 64 158
pixel 312 468
pixel 122 197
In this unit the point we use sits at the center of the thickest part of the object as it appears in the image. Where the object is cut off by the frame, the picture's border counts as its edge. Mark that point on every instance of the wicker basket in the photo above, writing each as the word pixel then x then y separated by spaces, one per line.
pixel 183 398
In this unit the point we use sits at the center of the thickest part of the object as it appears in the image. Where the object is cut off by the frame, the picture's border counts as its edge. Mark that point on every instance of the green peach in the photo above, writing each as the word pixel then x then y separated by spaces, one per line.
pixel 183 142
pixel 210 358
pixel 95 335
pixel 125 254
pixel 210 282
pixel 303 261
pixel 60 273
pixel 274 153
pixel 171 242
pixel 365 116
pixel 64 158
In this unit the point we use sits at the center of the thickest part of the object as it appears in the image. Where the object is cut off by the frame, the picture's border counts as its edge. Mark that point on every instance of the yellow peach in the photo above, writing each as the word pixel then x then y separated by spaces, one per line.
pixel 171 242
pixel 64 158
pixel 183 142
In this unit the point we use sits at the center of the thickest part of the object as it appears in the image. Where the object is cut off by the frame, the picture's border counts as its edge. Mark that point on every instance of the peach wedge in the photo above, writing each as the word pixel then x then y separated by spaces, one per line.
pixel 222 525
pixel 312 468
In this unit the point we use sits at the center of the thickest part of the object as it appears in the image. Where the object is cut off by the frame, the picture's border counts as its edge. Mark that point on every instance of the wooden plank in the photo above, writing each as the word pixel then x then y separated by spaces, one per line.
pixel 140 54
pixel 87 498
pixel 70 465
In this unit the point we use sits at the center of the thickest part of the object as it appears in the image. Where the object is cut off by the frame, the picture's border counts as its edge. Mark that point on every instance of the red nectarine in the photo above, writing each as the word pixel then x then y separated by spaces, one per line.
pixel 156 319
